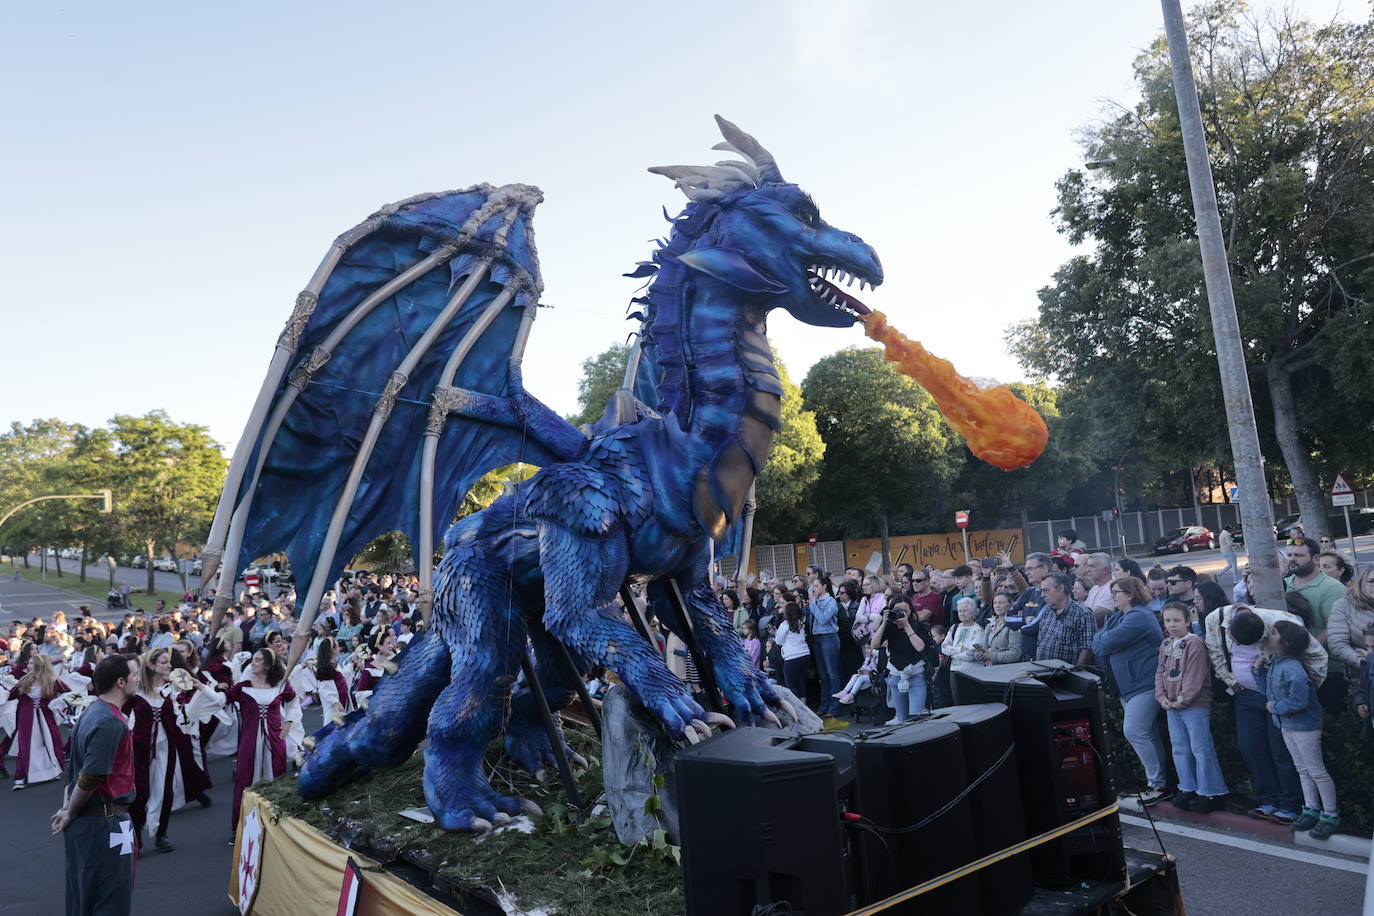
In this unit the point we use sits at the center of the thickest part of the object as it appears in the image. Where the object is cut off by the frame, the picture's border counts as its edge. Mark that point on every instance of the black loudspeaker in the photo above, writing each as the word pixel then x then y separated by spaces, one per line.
pixel 1061 755
pixel 761 823
pixel 995 805
pixel 903 775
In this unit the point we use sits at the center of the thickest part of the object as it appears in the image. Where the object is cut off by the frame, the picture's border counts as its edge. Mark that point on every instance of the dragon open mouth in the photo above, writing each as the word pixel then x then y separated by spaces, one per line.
pixel 819 277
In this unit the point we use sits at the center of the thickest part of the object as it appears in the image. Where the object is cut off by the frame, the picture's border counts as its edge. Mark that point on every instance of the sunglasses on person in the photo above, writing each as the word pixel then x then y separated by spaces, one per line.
pixel 1173 581
pixel 917 581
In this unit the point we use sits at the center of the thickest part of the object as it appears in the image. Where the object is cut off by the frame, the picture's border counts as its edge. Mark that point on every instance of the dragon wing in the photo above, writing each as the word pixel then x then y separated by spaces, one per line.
pixel 395 385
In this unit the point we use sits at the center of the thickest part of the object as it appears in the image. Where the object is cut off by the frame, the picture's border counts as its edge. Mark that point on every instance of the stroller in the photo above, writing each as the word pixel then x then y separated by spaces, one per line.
pixel 114 601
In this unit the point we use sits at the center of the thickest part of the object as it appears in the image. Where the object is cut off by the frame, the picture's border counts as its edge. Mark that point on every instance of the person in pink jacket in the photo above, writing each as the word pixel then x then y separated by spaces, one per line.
pixel 1183 688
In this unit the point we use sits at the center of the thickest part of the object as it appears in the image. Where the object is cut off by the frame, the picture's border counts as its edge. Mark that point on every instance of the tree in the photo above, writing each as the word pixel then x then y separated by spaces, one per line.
pixel 998 497
pixel 166 477
pixel 783 492
pixel 391 551
pixel 888 454
pixel 602 376
pixel 33 463
pixel 1290 119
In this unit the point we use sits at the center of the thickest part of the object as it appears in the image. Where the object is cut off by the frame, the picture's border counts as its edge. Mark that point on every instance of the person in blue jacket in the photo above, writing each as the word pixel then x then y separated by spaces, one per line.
pixel 1297 711
pixel 1128 646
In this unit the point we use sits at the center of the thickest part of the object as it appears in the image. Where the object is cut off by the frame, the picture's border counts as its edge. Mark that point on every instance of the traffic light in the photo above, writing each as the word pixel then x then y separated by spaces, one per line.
pixel 106 502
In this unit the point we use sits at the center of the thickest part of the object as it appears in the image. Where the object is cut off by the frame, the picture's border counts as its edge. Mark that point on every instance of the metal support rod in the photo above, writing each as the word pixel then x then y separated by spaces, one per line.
pixel 747 538
pixel 689 636
pixel 578 685
pixel 560 755
pixel 1256 516
pixel 641 625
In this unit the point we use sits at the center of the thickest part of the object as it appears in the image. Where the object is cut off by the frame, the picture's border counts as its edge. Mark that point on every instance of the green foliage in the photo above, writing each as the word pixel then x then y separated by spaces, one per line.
pixel 784 490
pixel 602 376
pixel 572 859
pixel 1289 114
pixel 888 452
pixel 166 478
pixel 995 496
pixel 391 551
pixel 34 462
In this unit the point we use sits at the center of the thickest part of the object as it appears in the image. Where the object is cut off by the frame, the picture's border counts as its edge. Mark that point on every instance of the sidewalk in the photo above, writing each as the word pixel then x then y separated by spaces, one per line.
pixel 1342 843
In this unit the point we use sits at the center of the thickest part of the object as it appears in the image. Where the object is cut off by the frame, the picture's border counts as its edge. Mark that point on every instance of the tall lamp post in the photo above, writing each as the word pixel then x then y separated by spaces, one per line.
pixel 1256 516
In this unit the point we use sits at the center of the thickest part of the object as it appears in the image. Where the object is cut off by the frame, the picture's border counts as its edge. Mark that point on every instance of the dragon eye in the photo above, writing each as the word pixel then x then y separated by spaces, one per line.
pixel 810 215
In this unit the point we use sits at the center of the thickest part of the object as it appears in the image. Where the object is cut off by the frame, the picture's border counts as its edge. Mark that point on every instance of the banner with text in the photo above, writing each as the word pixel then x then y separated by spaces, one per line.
pixel 943 551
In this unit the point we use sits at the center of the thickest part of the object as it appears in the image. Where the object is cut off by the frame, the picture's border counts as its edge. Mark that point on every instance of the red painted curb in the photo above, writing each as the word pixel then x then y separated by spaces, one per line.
pixel 1227 820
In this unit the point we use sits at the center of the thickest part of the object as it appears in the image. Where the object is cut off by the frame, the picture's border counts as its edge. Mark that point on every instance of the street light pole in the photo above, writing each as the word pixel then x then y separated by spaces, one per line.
pixel 1255 512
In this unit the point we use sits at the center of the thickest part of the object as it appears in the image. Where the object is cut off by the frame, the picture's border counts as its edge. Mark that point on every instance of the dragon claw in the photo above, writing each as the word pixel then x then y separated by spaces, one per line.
pixel 787 708
pixel 500 817
pixel 531 808
pixel 771 716
pixel 580 762
pixel 541 774
pixel 691 735
pixel 717 718
pixel 701 727
pixel 481 824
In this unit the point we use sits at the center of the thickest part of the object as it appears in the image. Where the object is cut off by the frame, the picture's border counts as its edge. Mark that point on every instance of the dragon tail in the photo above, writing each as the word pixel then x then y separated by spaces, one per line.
pixel 389 730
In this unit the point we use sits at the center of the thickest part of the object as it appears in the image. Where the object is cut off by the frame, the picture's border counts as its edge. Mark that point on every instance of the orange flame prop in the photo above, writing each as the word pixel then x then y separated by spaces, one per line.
pixel 999 427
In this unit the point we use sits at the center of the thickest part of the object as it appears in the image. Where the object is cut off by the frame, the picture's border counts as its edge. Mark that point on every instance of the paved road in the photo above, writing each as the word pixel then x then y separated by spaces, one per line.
pixel 1220 878
pixel 192 879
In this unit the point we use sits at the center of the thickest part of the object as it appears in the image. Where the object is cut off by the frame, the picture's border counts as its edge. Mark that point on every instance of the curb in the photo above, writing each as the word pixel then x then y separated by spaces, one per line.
pixel 1345 844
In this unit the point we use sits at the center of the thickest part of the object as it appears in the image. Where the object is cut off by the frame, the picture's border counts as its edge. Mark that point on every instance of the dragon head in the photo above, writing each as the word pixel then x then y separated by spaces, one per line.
pixel 767 237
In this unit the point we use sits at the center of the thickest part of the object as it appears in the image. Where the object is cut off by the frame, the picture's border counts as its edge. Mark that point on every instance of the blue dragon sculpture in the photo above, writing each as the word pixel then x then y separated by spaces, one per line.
pixel 634 501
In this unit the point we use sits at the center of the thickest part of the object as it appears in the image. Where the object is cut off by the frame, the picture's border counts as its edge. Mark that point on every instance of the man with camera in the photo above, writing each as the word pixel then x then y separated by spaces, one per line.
pixel 908 643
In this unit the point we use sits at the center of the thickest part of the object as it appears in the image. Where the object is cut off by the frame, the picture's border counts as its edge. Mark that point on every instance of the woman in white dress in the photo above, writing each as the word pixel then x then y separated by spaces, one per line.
pixel 37 741
pixel 163 714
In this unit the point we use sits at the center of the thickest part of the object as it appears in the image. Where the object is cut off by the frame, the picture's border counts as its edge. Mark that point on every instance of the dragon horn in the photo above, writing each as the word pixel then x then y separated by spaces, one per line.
pixel 751 148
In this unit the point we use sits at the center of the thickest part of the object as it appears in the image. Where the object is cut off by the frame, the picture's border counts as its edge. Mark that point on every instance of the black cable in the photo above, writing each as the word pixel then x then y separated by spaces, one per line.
pixel 872 828
pixel 953 802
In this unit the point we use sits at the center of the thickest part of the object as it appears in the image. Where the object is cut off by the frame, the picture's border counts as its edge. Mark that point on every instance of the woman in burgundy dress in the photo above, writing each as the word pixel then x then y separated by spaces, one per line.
pixel 262 725
pixel 37 739
pixel 166 772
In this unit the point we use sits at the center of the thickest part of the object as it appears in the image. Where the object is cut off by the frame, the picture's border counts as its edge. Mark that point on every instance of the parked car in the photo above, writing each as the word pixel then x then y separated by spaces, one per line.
pixel 1361 522
pixel 165 564
pixel 1182 540
pixel 139 563
pixel 197 566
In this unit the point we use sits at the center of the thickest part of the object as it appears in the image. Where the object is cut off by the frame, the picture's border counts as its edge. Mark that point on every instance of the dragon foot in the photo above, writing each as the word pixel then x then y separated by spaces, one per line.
pixel 527 745
pixel 466 801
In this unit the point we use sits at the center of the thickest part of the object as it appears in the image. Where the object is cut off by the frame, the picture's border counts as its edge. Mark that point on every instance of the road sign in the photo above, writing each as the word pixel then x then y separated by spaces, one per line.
pixel 1342 487
pixel 1233 494
pixel 961 519
pixel 1343 499
pixel 811 539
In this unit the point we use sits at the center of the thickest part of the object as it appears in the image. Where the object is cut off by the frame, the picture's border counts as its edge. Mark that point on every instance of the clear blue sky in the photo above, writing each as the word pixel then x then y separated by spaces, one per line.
pixel 174 172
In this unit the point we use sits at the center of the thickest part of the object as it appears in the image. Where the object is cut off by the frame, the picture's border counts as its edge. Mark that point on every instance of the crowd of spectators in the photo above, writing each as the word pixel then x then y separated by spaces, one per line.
pixel 1168 641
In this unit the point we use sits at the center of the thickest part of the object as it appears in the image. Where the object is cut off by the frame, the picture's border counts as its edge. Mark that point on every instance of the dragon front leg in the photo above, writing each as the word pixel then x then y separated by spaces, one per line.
pixel 743 684
pixel 581 577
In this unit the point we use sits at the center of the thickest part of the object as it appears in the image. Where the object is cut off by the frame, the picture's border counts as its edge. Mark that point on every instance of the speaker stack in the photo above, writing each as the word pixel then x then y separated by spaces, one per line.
pixel 1061 740
pixel 761 823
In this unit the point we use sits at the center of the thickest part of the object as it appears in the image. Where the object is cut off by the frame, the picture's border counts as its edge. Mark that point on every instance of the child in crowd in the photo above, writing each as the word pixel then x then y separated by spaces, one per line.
pixel 1292 701
pixel 1183 688
pixel 863 679
pixel 752 646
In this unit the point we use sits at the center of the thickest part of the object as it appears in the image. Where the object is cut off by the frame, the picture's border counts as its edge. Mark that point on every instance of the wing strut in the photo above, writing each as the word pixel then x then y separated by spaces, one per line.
pixel 381 412
pixel 299 378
